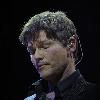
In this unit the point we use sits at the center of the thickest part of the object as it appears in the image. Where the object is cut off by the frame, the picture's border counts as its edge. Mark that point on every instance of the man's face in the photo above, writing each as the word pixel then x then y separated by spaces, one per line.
pixel 48 56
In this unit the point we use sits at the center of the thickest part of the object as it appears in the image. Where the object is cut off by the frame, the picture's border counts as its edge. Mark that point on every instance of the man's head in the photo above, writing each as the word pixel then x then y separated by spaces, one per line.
pixel 51 40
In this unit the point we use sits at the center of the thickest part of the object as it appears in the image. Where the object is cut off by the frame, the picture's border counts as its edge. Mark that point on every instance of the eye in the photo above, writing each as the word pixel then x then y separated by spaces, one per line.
pixel 31 50
pixel 46 45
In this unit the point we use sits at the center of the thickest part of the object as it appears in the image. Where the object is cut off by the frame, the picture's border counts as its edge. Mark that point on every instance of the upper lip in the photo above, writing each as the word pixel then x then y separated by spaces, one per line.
pixel 42 63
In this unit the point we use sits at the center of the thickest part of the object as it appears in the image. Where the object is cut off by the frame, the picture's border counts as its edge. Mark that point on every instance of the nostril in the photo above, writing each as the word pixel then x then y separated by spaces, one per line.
pixel 35 62
pixel 38 60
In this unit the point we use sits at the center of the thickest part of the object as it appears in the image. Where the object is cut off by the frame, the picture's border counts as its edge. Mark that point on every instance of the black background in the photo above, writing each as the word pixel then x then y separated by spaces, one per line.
pixel 16 69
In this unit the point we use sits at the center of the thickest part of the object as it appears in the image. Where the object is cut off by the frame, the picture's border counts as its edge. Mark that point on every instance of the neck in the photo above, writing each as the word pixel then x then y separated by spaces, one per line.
pixel 66 73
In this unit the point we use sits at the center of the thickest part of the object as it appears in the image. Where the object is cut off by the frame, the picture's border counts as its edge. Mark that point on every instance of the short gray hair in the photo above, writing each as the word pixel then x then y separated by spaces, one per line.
pixel 56 24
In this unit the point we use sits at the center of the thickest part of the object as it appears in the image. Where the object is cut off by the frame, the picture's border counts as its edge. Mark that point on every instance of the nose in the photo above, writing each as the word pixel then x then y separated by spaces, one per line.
pixel 37 56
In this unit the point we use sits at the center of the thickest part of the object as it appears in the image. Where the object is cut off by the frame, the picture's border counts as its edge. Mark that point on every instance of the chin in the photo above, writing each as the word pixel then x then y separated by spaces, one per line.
pixel 46 75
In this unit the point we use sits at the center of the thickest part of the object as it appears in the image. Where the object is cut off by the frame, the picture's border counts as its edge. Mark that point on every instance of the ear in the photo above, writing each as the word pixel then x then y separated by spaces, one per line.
pixel 72 43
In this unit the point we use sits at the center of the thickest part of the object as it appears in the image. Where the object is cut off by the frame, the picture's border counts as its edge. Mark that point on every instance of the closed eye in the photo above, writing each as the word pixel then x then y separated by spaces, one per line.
pixel 47 45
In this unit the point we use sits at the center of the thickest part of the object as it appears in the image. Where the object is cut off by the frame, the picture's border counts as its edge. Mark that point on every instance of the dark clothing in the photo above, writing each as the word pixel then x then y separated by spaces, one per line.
pixel 76 88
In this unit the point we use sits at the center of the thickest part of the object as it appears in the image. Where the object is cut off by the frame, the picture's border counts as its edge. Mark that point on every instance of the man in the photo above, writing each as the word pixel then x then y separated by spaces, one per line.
pixel 51 40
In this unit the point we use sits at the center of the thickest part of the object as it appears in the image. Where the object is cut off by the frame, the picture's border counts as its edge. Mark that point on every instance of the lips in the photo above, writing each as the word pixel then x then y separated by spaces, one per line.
pixel 40 64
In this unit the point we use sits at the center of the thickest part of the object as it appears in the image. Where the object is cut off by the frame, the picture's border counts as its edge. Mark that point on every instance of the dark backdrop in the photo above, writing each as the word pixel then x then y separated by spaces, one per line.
pixel 18 72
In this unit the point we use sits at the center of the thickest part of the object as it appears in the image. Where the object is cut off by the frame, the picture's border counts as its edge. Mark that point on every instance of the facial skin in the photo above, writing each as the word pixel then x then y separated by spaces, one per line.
pixel 50 56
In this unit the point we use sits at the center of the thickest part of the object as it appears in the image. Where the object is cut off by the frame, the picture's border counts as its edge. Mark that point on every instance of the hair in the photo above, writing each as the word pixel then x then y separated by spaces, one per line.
pixel 56 24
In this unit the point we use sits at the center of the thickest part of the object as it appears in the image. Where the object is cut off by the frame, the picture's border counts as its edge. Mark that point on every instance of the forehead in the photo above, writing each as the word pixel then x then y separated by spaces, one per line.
pixel 42 36
pixel 39 36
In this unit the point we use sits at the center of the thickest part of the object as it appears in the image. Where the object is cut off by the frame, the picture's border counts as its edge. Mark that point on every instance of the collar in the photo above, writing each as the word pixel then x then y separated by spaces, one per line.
pixel 67 83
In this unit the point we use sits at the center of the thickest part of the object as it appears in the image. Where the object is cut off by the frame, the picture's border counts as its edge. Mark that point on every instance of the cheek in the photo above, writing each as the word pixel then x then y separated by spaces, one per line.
pixel 51 51
pixel 56 55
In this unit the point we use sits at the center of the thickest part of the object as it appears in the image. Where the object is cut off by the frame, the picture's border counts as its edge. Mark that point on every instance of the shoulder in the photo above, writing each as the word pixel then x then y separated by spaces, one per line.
pixel 91 92
pixel 86 90
pixel 97 91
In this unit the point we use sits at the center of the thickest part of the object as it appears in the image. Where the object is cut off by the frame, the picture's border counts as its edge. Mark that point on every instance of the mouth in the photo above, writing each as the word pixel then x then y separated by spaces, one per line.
pixel 41 65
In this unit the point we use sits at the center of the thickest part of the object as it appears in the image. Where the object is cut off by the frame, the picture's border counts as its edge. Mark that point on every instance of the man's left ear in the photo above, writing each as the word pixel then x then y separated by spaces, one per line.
pixel 72 43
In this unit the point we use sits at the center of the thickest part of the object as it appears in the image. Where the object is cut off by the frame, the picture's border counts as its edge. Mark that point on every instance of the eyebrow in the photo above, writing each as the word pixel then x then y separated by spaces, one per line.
pixel 40 43
pixel 45 41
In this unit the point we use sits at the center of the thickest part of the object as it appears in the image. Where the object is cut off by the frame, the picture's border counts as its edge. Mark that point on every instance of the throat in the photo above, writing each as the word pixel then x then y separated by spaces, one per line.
pixel 67 71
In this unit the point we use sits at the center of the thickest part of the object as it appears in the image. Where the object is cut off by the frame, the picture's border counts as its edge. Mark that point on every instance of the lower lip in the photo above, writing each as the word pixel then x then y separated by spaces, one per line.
pixel 41 67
